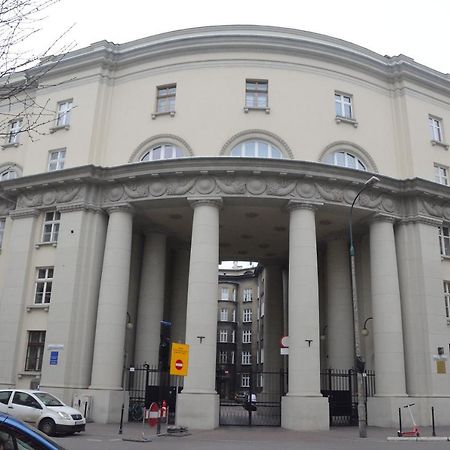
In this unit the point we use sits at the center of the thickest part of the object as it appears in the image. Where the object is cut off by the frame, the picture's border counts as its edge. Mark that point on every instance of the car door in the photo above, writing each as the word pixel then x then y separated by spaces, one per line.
pixel 25 407
pixel 4 400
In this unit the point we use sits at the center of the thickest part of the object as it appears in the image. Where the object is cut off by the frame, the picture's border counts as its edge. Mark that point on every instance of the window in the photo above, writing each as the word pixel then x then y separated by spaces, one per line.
pixel 233 336
pixel 245 380
pixel 2 230
pixel 225 294
pixel 343 103
pixel 51 226
pixel 256 94
pixel 63 115
pixel 35 350
pixel 246 336
pixel 56 160
pixel 165 151
pixel 224 315
pixel 444 240
pixel 24 399
pixel 4 397
pixel 256 149
pixel 435 129
pixel 447 298
pixel 246 358
pixel 232 357
pixel 223 357
pixel 8 174
pixel 247 315
pixel 248 294
pixel 345 159
pixel 223 336
pixel 441 174
pixel 234 312
pixel 44 280
pixel 14 129
pixel 165 100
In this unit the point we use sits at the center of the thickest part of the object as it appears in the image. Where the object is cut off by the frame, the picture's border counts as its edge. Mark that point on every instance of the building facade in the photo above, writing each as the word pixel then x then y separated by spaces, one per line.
pixel 164 155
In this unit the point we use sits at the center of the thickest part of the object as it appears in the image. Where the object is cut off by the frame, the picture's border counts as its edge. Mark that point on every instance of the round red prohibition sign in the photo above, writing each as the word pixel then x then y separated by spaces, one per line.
pixel 178 364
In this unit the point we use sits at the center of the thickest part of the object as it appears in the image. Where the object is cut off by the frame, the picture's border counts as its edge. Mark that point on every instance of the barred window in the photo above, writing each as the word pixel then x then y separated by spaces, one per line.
pixel 44 281
pixel 35 350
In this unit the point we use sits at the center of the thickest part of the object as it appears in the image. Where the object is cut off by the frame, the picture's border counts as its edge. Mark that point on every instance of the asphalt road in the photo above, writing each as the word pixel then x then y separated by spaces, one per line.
pixel 106 437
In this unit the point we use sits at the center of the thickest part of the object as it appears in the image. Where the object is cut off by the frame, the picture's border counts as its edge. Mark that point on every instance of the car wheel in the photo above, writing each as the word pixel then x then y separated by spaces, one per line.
pixel 47 426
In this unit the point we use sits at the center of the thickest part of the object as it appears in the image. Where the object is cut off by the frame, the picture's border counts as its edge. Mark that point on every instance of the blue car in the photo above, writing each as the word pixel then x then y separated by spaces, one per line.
pixel 14 434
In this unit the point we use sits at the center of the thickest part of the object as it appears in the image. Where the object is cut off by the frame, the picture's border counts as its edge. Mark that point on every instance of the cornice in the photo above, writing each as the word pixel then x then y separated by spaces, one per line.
pixel 108 56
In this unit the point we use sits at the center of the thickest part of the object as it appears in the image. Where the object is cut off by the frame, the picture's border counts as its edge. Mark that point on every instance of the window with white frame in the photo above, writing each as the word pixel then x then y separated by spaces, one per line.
pixel 56 160
pixel 262 308
pixel 441 174
pixel 444 240
pixel 248 294
pixel 44 281
pixel 255 148
pixel 223 357
pixel 2 231
pixel 8 174
pixel 164 151
pixel 224 315
pixel 233 337
pixel 51 226
pixel 435 128
pixel 256 94
pixel 247 315
pixel 246 358
pixel 345 159
pixel 234 315
pixel 225 294
pixel 246 336
pixel 343 104
pixel 447 298
pixel 262 355
pixel 165 98
pixel 14 130
pixel 35 351
pixel 245 380
pixel 63 114
pixel 223 336
pixel 260 381
pixel 232 357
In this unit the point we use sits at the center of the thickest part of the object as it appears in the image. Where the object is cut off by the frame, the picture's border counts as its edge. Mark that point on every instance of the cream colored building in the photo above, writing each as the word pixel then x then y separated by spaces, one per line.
pixel 158 139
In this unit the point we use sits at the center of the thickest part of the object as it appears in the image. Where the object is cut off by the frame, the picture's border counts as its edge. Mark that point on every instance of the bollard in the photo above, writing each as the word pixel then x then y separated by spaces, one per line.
pixel 432 420
pixel 400 432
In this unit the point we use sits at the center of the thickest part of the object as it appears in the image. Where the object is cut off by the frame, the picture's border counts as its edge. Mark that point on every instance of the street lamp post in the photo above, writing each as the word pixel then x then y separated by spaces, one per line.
pixel 362 424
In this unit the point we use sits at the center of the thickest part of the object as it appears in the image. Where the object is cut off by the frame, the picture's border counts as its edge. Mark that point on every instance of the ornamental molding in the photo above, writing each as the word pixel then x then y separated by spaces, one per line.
pixel 49 197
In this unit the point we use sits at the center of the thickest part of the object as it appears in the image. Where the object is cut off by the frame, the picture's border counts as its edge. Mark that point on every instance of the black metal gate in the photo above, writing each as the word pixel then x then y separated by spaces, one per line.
pixel 146 385
pixel 251 398
pixel 340 386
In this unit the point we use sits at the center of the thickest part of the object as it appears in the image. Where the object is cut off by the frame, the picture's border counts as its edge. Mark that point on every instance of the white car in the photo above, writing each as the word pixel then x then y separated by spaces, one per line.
pixel 42 409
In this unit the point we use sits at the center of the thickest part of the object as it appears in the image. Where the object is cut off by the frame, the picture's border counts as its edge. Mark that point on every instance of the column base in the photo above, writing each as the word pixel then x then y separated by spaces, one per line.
pixel 383 411
pixel 107 405
pixel 197 411
pixel 305 413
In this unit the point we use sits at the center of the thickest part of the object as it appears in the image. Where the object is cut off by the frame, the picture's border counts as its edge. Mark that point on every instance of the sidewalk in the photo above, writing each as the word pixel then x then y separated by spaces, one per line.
pixel 106 437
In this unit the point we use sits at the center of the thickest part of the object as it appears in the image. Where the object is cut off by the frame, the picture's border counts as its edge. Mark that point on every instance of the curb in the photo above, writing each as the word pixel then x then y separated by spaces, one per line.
pixel 420 439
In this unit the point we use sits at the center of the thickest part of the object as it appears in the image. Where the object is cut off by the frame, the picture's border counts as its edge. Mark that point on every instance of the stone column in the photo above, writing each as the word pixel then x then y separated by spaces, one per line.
pixel 13 295
pixel 339 335
pixel 151 300
pixel 73 308
pixel 387 323
pixel 108 357
pixel 198 404
pixel 303 408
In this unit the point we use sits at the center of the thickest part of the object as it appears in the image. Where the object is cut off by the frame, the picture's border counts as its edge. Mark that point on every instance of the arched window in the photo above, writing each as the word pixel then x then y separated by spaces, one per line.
pixel 164 151
pixel 256 149
pixel 8 174
pixel 345 159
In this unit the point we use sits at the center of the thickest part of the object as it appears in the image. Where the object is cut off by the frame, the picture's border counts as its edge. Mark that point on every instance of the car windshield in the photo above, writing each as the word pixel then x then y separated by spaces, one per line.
pixel 48 399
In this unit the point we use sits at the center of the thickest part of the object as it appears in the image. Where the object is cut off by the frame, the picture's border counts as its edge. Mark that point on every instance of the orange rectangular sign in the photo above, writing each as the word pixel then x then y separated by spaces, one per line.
pixel 179 359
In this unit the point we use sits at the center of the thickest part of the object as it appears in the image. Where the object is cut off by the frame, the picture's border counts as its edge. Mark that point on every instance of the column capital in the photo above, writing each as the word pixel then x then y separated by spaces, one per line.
pixel 295 204
pixel 78 207
pixel 422 220
pixel 124 207
pixel 213 201
pixel 24 213
pixel 383 218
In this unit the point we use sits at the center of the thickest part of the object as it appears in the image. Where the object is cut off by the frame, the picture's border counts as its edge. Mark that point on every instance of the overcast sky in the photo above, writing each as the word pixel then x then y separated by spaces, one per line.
pixel 417 28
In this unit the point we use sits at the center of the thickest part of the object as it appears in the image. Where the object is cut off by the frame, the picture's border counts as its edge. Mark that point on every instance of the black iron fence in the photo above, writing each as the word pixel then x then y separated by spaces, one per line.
pixel 341 388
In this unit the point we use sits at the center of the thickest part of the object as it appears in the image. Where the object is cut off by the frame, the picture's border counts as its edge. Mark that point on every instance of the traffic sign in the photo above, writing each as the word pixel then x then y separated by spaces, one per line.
pixel 179 359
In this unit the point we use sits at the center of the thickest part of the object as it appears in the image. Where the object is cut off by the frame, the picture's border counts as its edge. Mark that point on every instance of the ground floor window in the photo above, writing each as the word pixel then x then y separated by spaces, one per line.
pixel 35 351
